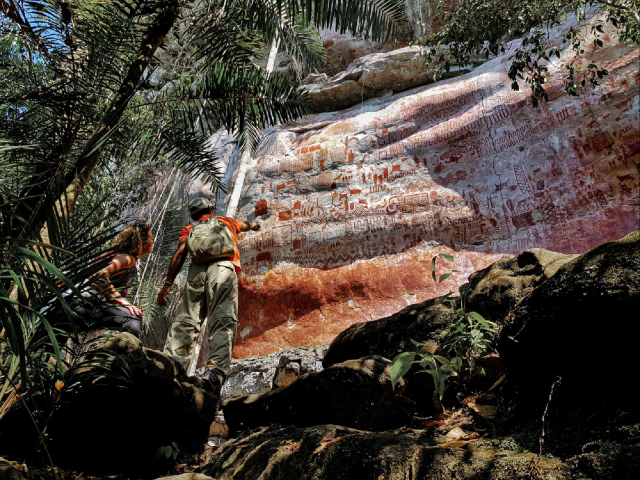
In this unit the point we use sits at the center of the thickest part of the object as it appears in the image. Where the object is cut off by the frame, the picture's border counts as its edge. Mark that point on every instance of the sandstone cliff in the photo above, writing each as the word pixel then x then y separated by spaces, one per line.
pixel 354 203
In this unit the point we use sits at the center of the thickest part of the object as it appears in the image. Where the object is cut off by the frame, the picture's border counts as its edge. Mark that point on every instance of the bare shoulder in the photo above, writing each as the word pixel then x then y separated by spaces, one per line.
pixel 122 260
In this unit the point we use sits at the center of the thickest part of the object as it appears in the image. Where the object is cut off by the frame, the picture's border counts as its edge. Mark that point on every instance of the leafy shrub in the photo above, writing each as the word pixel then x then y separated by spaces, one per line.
pixel 469 336
pixel 168 452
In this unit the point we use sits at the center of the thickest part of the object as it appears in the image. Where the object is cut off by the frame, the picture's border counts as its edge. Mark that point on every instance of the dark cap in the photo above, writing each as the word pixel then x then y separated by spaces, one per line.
pixel 199 203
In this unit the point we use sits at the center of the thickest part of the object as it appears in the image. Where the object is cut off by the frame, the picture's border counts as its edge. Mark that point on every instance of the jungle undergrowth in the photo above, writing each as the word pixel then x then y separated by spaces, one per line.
pixel 469 336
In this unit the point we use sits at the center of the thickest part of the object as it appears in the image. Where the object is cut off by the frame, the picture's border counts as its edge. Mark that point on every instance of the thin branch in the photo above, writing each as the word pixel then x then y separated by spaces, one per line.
pixel 15 14
pixel 546 409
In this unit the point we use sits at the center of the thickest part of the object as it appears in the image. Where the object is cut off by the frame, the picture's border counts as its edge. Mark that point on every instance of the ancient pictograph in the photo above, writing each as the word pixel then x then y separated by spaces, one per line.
pixel 467 163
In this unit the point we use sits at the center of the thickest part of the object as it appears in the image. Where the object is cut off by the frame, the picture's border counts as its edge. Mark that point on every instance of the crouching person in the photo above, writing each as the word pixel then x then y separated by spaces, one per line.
pixel 211 290
pixel 113 281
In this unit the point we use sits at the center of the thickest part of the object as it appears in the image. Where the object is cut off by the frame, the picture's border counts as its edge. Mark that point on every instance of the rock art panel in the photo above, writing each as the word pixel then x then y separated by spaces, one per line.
pixel 355 203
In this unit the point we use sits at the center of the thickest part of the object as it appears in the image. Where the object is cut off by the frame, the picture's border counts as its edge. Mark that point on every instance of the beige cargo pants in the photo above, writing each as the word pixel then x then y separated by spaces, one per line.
pixel 212 292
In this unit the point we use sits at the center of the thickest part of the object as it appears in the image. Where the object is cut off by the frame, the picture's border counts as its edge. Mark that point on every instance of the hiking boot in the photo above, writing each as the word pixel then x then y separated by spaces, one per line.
pixel 213 381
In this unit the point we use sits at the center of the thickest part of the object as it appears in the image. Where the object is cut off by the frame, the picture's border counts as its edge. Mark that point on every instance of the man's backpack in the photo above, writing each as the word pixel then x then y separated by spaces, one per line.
pixel 210 240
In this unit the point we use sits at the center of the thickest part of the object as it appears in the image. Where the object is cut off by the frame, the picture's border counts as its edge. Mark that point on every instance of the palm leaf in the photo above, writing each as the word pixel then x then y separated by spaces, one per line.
pixel 375 19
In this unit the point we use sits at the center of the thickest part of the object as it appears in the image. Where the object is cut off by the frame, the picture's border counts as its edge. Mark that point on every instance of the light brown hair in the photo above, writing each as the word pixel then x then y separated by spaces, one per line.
pixel 131 240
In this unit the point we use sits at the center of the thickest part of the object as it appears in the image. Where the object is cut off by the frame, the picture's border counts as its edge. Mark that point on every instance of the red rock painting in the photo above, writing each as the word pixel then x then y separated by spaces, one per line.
pixel 362 199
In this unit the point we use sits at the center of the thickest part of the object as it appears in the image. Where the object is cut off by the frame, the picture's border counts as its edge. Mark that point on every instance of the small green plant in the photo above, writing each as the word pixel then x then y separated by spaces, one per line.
pixel 469 336
pixel 169 452
pixel 439 367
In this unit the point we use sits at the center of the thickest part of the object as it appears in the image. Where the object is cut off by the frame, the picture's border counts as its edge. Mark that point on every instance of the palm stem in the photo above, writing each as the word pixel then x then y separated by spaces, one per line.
pixel 77 179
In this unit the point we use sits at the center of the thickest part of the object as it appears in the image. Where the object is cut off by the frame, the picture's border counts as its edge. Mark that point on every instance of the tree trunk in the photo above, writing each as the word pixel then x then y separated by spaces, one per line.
pixel 273 53
pixel 75 181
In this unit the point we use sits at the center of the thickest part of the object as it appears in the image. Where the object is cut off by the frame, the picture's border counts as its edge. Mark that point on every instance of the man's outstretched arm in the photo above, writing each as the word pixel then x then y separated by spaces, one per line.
pixel 246 226
pixel 177 261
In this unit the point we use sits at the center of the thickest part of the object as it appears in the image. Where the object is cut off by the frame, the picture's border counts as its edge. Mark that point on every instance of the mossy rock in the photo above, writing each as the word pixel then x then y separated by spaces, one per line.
pixel 579 328
pixel 602 449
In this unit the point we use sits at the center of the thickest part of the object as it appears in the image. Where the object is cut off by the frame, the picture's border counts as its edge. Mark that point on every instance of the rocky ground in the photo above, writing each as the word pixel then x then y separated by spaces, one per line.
pixel 555 401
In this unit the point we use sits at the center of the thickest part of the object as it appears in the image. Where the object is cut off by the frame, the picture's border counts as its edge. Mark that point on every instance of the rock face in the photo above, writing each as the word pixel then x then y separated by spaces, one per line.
pixel 119 426
pixel 355 203
pixel 356 393
pixel 589 307
pixel 373 75
pixel 500 286
pixel 560 327
pixel 343 49
pixel 261 374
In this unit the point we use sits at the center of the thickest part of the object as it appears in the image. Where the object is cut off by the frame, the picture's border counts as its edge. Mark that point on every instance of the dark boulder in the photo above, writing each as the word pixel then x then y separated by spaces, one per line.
pixel 504 283
pixel 118 424
pixel 356 393
pixel 390 335
pixel 605 447
pixel 500 286
pixel 580 326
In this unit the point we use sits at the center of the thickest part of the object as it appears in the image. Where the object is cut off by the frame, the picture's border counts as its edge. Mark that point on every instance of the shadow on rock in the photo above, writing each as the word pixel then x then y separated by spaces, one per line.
pixel 356 393
pixel 579 328
pixel 116 426
pixel 330 452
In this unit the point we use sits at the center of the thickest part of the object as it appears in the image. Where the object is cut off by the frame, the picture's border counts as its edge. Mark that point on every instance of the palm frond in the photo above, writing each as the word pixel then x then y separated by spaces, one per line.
pixel 193 153
pixel 227 41
pixel 375 19
pixel 249 138
pixel 231 97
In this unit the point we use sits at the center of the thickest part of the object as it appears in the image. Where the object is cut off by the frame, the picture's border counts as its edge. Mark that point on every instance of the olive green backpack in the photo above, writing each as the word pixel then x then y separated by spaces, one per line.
pixel 210 240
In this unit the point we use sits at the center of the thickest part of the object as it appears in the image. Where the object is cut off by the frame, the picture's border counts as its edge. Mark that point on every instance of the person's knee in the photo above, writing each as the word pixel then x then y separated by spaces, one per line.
pixel 182 332
pixel 223 330
pixel 133 326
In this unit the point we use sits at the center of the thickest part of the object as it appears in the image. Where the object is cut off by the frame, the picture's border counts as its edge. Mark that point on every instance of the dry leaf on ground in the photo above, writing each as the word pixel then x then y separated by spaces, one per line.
pixel 478 405
pixel 324 442
pixel 455 434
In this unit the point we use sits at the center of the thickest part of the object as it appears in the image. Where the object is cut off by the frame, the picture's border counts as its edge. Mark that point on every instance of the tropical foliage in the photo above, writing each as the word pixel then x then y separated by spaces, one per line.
pixel 480 28
pixel 95 95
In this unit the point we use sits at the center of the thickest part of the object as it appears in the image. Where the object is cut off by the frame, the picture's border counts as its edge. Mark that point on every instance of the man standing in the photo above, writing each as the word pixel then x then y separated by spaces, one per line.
pixel 211 291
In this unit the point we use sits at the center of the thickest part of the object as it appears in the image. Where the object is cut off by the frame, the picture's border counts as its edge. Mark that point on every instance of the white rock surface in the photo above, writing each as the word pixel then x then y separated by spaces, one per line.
pixel 256 374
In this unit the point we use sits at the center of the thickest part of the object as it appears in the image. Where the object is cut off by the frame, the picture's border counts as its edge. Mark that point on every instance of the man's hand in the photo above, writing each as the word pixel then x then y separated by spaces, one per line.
pixel 246 226
pixel 162 295
pixel 125 303
pixel 177 260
